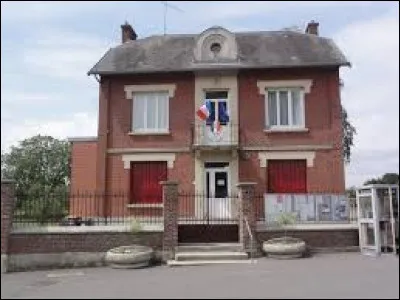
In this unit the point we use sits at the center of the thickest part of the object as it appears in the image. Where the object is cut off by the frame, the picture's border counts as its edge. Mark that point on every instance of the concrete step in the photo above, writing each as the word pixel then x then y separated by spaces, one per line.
pixel 210 255
pixel 207 247
pixel 177 263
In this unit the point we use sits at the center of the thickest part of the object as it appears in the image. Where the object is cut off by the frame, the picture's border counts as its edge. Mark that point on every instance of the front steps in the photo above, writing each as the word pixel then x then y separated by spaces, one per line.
pixel 209 253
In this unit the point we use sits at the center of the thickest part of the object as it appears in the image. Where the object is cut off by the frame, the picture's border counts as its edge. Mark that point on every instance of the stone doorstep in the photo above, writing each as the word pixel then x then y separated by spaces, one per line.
pixel 210 255
pixel 176 263
pixel 207 247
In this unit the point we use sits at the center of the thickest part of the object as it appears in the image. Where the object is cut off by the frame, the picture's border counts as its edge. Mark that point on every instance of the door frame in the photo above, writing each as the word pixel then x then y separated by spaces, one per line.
pixel 206 200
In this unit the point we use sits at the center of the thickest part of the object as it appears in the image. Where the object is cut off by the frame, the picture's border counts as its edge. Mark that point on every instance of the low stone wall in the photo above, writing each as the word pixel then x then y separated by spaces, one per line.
pixel 324 239
pixel 31 251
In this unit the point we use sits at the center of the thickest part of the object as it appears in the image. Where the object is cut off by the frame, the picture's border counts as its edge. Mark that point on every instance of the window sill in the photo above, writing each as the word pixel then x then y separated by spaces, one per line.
pixel 149 133
pixel 288 129
pixel 145 205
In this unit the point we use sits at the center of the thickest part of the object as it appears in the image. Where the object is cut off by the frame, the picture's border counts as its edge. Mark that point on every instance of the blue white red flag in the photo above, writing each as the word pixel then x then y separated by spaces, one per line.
pixel 204 111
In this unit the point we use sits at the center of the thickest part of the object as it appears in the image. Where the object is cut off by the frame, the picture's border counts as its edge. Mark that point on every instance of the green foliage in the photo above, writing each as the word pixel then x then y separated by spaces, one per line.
pixel 285 219
pixel 348 135
pixel 37 163
pixel 39 206
pixel 40 167
pixel 351 192
pixel 387 178
pixel 135 225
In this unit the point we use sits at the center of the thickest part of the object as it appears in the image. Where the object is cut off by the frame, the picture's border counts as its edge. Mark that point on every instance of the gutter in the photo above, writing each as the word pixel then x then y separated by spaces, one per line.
pixel 216 68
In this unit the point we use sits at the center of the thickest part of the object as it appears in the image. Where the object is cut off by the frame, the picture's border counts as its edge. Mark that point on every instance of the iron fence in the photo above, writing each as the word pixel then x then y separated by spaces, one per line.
pixel 83 208
pixel 200 208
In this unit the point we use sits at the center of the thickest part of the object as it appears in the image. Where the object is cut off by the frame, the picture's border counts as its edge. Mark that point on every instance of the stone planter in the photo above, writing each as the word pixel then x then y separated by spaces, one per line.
pixel 133 256
pixel 284 247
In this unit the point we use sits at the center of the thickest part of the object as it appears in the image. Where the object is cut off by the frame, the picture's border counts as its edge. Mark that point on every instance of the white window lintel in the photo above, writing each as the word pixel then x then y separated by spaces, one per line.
pixel 168 157
pixel 130 89
pixel 264 156
pixel 263 85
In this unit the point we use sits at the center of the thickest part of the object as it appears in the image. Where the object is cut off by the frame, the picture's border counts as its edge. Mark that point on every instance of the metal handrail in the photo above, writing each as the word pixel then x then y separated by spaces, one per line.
pixel 251 238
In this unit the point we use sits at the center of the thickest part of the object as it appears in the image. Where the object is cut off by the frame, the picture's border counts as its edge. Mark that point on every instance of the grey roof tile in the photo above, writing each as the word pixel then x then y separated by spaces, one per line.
pixel 262 49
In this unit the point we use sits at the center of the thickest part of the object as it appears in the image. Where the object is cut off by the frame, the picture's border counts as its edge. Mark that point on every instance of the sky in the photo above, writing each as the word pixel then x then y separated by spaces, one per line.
pixel 48 47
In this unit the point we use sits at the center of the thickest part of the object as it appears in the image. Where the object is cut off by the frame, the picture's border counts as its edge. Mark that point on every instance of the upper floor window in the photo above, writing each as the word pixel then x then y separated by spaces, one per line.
pixel 218 107
pixel 284 108
pixel 150 112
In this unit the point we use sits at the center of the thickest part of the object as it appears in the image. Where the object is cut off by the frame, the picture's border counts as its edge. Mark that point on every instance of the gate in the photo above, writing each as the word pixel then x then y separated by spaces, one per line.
pixel 205 218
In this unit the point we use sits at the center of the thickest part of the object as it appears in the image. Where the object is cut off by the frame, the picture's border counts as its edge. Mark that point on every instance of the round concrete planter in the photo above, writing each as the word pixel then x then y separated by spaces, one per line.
pixel 284 247
pixel 133 256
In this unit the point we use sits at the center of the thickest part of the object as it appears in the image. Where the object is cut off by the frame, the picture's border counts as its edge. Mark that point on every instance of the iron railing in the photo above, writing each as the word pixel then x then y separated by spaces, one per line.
pixel 199 208
pixel 83 208
pixel 206 135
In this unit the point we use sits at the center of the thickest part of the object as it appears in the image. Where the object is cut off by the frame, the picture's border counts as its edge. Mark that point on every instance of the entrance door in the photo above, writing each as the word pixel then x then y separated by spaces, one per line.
pixel 218 203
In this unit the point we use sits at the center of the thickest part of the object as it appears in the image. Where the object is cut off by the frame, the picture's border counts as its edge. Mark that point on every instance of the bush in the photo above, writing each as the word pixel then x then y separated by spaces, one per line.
pixel 286 219
pixel 42 208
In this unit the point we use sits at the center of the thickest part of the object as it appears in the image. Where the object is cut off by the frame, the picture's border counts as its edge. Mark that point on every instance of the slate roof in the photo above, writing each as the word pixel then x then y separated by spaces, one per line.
pixel 269 49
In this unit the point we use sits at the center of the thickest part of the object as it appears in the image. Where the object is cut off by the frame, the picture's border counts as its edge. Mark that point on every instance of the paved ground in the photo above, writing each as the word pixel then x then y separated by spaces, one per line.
pixel 345 275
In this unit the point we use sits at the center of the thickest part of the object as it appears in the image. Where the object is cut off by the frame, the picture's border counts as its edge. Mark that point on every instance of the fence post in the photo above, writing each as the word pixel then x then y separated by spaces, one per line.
pixel 247 211
pixel 170 200
pixel 7 209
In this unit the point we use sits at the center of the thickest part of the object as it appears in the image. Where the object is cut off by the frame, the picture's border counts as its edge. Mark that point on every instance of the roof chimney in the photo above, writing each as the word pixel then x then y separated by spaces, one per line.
pixel 128 34
pixel 312 28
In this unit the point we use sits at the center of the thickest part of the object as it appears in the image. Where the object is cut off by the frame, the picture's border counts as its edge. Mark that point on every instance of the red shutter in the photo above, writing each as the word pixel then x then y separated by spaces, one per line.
pixel 145 181
pixel 287 176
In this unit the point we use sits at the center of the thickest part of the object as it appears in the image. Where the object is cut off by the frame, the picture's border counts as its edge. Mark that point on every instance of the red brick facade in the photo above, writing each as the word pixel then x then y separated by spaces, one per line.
pixel 83 163
pixel 322 118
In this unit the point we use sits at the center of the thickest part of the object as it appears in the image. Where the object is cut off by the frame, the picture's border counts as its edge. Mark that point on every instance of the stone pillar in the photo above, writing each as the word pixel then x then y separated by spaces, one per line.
pixel 170 200
pixel 247 211
pixel 7 209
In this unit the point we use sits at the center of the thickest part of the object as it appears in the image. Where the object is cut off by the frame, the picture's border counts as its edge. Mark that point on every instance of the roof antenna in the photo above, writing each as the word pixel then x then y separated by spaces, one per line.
pixel 166 6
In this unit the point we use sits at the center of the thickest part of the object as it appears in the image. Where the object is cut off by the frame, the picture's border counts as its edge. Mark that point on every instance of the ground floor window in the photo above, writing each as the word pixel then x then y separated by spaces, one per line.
pixel 287 176
pixel 145 181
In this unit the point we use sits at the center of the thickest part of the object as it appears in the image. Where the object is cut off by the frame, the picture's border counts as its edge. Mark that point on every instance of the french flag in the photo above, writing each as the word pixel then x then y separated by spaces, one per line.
pixel 217 127
pixel 204 111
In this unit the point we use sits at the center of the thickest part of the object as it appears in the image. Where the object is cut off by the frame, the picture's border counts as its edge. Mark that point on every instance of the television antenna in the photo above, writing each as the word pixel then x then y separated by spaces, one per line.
pixel 166 6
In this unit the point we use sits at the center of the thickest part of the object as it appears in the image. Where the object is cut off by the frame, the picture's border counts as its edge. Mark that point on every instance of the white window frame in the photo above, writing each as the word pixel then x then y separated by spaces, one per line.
pixel 130 91
pixel 265 85
pixel 150 130
pixel 290 111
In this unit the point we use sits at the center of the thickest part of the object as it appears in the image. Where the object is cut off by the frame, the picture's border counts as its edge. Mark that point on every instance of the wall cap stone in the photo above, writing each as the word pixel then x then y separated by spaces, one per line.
pixel 262 227
pixel 86 229
pixel 8 181
pixel 169 182
pixel 243 184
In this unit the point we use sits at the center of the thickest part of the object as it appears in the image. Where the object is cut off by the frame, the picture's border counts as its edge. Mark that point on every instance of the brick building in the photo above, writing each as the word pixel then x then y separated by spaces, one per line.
pixel 280 90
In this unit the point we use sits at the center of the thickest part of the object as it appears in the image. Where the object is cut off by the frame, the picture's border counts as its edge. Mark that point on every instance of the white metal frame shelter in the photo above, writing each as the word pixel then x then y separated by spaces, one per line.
pixel 378 218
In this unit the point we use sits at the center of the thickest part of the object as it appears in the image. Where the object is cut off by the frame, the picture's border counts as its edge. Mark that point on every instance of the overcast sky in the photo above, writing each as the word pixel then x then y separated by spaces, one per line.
pixel 48 47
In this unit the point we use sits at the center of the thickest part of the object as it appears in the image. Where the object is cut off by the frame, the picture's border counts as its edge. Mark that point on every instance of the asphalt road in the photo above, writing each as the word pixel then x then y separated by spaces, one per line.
pixel 344 275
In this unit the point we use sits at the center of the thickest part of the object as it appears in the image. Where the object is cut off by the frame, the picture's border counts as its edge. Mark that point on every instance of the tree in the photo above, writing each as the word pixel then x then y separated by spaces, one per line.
pixel 387 178
pixel 348 131
pixel 351 192
pixel 40 167
pixel 348 135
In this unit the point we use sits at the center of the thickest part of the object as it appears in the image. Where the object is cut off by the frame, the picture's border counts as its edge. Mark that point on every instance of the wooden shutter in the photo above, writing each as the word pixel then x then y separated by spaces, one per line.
pixel 287 176
pixel 145 181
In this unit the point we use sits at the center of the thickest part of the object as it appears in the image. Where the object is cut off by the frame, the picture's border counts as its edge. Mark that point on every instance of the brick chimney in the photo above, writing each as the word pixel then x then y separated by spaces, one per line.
pixel 312 28
pixel 128 34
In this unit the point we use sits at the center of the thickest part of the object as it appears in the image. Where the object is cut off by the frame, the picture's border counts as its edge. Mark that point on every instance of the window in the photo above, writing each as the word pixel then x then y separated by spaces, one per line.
pixel 218 99
pixel 145 181
pixel 287 176
pixel 150 112
pixel 285 108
